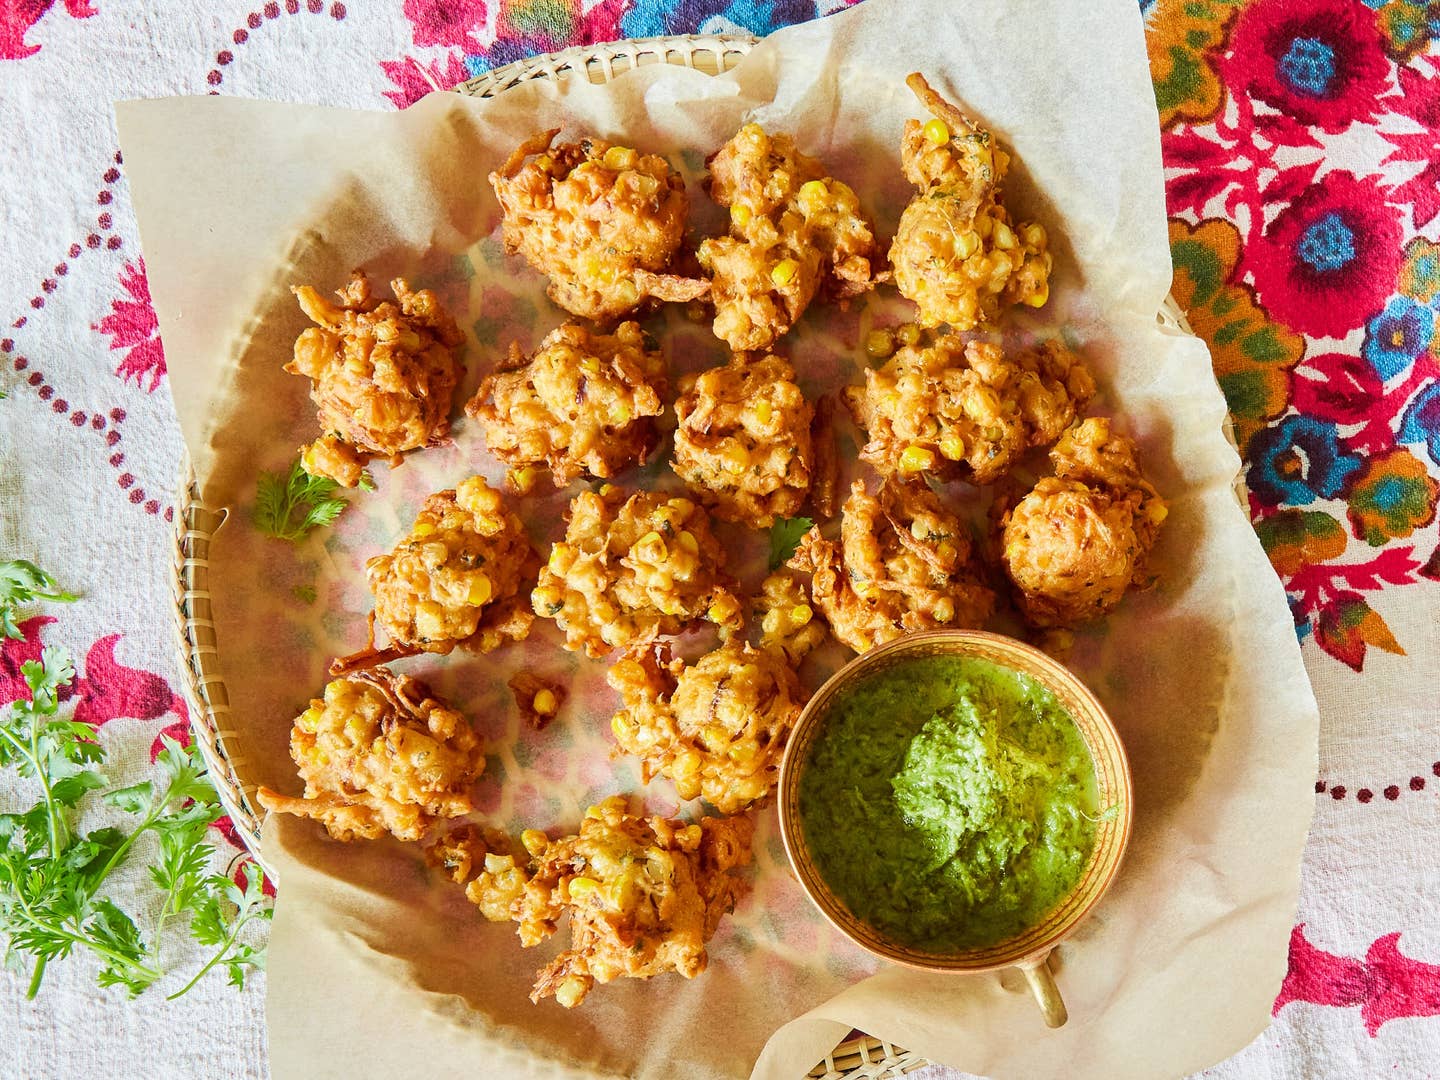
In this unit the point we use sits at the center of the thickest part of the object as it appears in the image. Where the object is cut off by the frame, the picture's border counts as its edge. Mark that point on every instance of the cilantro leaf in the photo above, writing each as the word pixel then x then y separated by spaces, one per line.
pixel 23 582
pixel 290 507
pixel 785 537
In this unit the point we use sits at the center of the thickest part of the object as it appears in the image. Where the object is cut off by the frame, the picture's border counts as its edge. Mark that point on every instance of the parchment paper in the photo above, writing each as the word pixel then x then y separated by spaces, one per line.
pixel 378 968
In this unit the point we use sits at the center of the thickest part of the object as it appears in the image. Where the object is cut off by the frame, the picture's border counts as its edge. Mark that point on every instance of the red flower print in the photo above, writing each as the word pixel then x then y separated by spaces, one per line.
pixel 131 325
pixel 414 79
pixel 108 690
pixel 446 22
pixel 1329 260
pixel 18 16
pixel 17 651
pixel 1420 101
pixel 1320 63
pixel 1386 984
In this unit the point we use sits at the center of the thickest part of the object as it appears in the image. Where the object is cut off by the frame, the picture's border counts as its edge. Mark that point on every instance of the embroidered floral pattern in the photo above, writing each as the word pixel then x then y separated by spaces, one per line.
pixel 132 326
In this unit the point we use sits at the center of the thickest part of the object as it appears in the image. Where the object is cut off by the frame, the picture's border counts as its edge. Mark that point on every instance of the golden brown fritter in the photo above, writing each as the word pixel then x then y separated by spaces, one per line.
pixel 459 577
pixel 584 403
pixel 716 728
pixel 383 375
pixel 631 569
pixel 743 443
pixel 966 411
pixel 903 564
pixel 787 621
pixel 793 229
pixel 1079 539
pixel 603 221
pixel 957 254
pixel 643 895
pixel 537 699
pixel 379 754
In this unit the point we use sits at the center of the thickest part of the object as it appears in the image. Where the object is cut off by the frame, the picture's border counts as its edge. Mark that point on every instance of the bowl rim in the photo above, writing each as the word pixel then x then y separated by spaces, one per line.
pixel 1053 672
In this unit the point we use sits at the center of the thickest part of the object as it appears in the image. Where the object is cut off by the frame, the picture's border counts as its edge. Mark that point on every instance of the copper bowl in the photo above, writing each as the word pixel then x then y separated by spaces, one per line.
pixel 1028 950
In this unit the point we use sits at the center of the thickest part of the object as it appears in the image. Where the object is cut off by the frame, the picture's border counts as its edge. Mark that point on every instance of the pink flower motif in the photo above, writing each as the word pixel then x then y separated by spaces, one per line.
pixel 15 652
pixel 18 16
pixel 1319 63
pixel 446 22
pixel 1329 260
pixel 414 80
pixel 108 690
pixel 1387 985
pixel 1420 101
pixel 131 325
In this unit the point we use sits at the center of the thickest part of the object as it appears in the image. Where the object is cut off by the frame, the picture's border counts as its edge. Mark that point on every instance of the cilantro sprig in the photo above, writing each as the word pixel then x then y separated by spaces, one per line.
pixel 785 537
pixel 54 878
pixel 290 507
pixel 23 582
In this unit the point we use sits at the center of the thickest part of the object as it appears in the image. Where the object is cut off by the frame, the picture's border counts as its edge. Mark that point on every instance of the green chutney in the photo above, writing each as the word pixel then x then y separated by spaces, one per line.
pixel 949 802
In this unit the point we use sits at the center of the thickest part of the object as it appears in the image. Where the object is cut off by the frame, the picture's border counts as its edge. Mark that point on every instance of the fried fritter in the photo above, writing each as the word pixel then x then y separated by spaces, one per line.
pixel 630 569
pixel 459 577
pixel 379 754
pixel 903 564
pixel 743 443
pixel 644 895
pixel 793 229
pixel 383 375
pixel 966 411
pixel 788 623
pixel 603 221
pixel 584 403
pixel 1079 539
pixel 957 254
pixel 537 699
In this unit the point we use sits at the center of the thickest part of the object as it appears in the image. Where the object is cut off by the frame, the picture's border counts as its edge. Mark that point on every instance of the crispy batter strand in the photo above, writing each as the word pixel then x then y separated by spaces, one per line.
pixel 1079 539
pixel 583 404
pixel 379 754
pixel 383 375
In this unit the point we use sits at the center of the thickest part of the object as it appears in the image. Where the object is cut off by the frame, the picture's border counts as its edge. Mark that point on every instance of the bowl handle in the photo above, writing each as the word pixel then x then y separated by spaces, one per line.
pixel 1047 994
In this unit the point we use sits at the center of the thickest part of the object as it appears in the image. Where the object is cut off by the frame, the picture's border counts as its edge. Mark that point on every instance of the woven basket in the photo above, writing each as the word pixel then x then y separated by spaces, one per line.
pixel 861 1058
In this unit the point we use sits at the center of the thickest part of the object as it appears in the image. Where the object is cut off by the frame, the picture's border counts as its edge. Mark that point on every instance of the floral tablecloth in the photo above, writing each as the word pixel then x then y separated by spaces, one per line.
pixel 1302 145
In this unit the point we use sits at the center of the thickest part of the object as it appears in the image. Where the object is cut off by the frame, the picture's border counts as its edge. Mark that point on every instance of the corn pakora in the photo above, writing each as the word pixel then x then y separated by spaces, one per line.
pixel 459 577
pixel 956 253
pixel 903 563
pixel 584 403
pixel 643 895
pixel 603 222
pixel 966 411
pixel 382 374
pixel 379 754
pixel 744 440
pixel 793 229
pixel 631 569
pixel 1079 539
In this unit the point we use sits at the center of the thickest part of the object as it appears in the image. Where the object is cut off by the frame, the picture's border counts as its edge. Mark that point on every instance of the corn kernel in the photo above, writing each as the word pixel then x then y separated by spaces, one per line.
pixel 722 611
pixel 545 162
pixel 582 886
pixel 422 528
pixel 966 244
pixel 628 292
pixel 800 614
pixel 1004 236
pixel 937 132
pixel 1039 296
pixel 740 215
pixel 591 364
pixel 545 703
pixel 1157 512
pixel 1034 234
pixel 784 272
pixel 480 591
pixel 879 344
pixel 763 411
pixel 916 459
pixel 947 551
pixel 944 610
pixel 735 458
pixel 953 447
pixel 571 992
pixel 546 598
pixel 309 720
pixel 620 414
pixel 523 479
pixel 619 728
pixel 494 863
pixel 688 543
pixel 984 224
pixel 651 546
pixel 686 764
pixel 619 157
pixel 770 624
pixel 909 334
pixel 534 841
